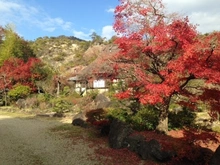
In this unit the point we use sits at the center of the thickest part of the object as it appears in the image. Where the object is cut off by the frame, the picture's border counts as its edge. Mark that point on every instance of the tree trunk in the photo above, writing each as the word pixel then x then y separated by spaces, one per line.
pixel 163 121
pixel 58 88
pixel 163 117
pixel 5 98
pixel 5 92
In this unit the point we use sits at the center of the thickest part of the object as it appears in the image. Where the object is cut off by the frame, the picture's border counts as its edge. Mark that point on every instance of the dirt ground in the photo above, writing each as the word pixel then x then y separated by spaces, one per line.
pixel 203 139
pixel 28 141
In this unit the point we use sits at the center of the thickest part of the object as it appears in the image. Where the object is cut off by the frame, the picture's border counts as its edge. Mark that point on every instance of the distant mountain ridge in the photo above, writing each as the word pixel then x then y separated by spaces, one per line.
pixel 63 53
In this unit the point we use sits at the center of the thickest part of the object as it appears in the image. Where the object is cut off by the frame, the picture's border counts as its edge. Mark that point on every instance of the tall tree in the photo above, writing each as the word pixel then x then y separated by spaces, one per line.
pixel 161 54
pixel 14 46
pixel 96 39
pixel 1 34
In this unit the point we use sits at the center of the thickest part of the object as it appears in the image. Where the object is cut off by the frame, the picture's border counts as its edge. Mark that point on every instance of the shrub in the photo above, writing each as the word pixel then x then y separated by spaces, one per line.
pixel 92 94
pixel 58 58
pixel 74 94
pixel 66 90
pixel 121 114
pixel 183 118
pixel 32 102
pixel 60 105
pixel 43 106
pixel 145 119
pixel 19 91
pixel 43 97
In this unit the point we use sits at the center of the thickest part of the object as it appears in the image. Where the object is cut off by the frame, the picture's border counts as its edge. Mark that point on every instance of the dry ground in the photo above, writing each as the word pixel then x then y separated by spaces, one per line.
pixel 42 141
pixel 29 141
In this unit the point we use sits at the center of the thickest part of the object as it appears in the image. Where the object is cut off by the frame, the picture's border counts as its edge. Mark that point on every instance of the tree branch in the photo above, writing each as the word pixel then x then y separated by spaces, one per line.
pixel 191 77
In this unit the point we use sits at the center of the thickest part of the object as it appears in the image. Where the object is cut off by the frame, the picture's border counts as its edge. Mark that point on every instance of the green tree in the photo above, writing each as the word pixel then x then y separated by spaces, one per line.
pixel 96 39
pixel 13 46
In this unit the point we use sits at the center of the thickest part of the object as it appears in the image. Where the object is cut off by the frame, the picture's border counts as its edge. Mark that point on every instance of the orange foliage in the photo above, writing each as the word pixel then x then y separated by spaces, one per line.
pixel 162 53
pixel 15 71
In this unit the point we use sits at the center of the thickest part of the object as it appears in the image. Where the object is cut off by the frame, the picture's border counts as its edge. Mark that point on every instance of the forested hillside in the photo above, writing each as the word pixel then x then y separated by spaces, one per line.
pixel 63 52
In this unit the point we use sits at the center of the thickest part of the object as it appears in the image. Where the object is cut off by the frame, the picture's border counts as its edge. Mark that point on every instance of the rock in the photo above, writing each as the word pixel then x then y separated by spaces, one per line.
pixel 103 105
pixel 120 137
pixel 164 156
pixel 102 101
pixel 101 98
pixel 133 142
pixel 105 130
pixel 51 114
pixel 119 131
pixel 80 115
pixel 79 122
pixel 152 150
pixel 148 149
pixel 94 115
pixel 58 115
pixel 215 159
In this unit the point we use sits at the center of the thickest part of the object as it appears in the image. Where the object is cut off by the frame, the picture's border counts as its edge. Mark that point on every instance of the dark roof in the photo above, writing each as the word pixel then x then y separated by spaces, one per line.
pixel 75 78
pixel 101 66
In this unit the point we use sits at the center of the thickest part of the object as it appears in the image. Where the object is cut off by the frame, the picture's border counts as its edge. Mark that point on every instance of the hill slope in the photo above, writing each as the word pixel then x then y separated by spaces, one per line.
pixel 64 53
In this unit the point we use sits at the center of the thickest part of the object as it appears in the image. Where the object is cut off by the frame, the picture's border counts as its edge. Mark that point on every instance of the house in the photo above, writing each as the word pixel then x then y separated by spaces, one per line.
pixel 79 85
pixel 98 75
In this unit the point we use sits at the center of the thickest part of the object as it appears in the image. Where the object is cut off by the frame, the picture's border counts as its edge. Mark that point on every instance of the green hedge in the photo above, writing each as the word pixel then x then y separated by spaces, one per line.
pixel 19 91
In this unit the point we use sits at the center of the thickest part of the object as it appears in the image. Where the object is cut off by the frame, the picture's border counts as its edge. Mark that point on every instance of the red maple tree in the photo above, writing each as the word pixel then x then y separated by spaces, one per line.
pixel 162 57
pixel 16 71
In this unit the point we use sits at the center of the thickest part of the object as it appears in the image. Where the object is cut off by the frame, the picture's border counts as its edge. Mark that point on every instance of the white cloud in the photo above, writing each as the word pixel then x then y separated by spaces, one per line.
pixel 20 13
pixel 8 6
pixel 206 21
pixel 83 35
pixel 110 10
pixel 49 29
pixel 205 13
pixel 53 23
pixel 192 5
pixel 108 32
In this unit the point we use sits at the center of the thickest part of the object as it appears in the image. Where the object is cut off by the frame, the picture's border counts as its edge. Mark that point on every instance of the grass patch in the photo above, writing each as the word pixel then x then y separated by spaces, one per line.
pixel 12 112
pixel 70 131
pixel 67 128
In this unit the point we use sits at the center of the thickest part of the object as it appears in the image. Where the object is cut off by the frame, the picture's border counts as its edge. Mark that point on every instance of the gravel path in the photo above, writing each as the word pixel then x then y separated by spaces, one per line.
pixel 29 142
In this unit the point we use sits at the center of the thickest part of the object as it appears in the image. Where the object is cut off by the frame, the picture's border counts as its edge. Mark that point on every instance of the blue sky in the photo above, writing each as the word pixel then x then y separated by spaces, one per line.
pixel 38 18
pixel 79 18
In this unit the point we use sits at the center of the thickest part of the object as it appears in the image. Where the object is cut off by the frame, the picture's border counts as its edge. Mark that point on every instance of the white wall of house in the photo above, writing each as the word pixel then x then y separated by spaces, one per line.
pixel 99 83
pixel 78 85
pixel 80 89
